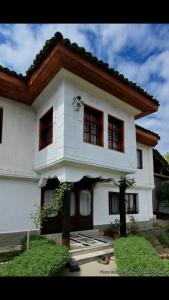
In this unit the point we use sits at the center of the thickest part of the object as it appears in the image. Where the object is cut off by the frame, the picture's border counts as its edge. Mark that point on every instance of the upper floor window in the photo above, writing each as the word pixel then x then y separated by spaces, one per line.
pixel 93 126
pixel 1 122
pixel 115 134
pixel 46 129
pixel 139 159
pixel 131 203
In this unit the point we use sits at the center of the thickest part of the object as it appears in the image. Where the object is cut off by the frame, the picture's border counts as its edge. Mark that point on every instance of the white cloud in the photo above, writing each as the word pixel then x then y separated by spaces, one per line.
pixel 19 43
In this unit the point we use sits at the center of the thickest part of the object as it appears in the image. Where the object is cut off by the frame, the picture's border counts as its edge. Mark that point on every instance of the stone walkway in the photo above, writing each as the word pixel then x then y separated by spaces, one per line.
pixel 94 269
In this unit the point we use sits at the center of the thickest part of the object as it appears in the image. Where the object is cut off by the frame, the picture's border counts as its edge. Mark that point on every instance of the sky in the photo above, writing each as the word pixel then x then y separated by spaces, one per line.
pixel 139 51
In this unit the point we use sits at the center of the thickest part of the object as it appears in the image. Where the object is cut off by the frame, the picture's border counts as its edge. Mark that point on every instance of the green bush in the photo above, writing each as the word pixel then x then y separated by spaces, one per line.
pixel 33 237
pixel 44 258
pixel 135 256
pixel 164 238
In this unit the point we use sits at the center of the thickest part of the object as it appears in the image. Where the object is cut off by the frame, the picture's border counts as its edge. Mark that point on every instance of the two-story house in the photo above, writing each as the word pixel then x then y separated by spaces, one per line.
pixel 72 119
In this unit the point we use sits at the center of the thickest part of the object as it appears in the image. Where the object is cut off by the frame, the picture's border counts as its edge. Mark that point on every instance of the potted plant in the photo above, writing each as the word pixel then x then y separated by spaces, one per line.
pixel 113 230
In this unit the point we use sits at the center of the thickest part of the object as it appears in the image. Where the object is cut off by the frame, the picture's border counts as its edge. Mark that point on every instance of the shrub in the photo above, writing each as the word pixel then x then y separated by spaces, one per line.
pixel 33 237
pixel 135 256
pixel 44 258
pixel 164 238
pixel 114 227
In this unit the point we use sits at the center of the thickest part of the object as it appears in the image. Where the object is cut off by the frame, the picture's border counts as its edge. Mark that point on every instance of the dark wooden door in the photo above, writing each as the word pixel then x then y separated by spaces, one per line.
pixel 53 223
pixel 81 208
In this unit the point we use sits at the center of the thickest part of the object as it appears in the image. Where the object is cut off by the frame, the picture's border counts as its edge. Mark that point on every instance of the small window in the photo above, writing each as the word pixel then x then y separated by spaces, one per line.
pixel 46 130
pixel 1 122
pixel 131 203
pixel 93 126
pixel 115 134
pixel 139 159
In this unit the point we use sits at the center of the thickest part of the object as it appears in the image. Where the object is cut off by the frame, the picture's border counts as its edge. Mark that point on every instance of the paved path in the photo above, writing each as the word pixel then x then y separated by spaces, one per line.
pixel 94 269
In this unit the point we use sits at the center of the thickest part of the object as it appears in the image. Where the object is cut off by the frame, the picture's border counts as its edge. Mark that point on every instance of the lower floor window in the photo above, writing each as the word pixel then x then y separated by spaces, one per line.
pixel 131 203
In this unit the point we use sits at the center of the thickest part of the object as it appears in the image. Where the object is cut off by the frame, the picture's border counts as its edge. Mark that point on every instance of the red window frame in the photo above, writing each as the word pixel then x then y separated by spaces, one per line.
pixel 93 130
pixel 46 129
pixel 115 134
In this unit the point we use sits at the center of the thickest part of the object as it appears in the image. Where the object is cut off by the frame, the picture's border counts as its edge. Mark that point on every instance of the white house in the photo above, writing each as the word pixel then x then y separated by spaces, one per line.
pixel 47 138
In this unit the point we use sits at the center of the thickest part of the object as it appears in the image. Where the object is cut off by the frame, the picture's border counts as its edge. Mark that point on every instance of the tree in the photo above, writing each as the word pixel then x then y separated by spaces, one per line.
pixel 124 183
pixel 166 156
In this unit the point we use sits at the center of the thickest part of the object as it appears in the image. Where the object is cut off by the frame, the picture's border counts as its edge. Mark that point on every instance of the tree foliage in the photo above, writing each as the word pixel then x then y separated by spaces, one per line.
pixel 166 156
pixel 126 182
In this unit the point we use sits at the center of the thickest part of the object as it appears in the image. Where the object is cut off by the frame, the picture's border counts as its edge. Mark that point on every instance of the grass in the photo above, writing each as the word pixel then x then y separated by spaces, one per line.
pixel 43 258
pixel 135 256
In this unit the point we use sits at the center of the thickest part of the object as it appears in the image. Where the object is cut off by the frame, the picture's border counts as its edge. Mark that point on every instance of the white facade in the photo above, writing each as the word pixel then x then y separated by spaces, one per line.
pixel 68 158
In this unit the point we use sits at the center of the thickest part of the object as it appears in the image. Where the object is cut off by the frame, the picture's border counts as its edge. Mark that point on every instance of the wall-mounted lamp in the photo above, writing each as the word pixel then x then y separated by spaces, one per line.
pixel 77 103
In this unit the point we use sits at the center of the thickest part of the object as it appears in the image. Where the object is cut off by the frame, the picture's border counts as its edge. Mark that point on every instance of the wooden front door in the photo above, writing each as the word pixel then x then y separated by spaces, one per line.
pixel 81 208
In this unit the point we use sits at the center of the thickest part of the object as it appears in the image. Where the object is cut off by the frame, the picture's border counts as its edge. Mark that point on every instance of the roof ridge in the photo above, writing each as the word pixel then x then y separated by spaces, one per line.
pixel 49 45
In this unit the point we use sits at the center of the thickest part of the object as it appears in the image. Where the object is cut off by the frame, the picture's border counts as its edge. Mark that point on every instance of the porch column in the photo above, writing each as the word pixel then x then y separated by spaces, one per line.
pixel 66 220
pixel 122 209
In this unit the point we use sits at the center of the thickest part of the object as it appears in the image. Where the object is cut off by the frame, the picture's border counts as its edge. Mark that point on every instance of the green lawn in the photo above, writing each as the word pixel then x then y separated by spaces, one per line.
pixel 43 258
pixel 135 256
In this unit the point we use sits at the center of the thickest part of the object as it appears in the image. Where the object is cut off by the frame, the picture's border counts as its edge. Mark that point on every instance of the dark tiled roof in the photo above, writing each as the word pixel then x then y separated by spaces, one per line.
pixel 147 131
pixel 161 159
pixel 49 45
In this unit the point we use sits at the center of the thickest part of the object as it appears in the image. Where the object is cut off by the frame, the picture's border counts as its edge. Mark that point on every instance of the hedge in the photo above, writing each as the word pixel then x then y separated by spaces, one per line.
pixel 163 238
pixel 44 258
pixel 135 256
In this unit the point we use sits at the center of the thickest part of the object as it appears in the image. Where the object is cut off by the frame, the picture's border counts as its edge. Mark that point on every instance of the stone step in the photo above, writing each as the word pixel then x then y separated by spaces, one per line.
pixel 92 256
pixel 89 249
pixel 8 249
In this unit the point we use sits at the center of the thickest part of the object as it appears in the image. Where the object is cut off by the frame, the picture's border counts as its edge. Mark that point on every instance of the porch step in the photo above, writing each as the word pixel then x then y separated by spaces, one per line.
pixel 92 256
pixel 90 249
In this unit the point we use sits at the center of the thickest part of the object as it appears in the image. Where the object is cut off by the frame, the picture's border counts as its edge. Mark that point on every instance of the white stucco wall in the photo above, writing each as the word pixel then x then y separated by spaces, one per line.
pixel 17 147
pixel 145 177
pixel 101 205
pixel 68 125
pixel 52 96
pixel 18 200
pixel 74 147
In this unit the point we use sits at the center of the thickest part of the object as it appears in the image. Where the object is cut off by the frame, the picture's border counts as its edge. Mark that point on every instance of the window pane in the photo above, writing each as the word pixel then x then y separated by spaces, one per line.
pixel 132 204
pixel 85 203
pixel 93 126
pixel 139 159
pixel 49 199
pixel 113 203
pixel 72 204
pixel 115 134
pixel 46 129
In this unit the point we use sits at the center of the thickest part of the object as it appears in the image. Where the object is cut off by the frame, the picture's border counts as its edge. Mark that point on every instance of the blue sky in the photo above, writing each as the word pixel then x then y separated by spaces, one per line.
pixel 139 51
